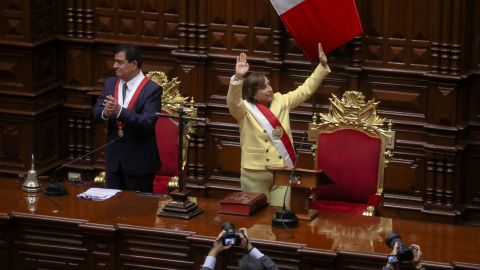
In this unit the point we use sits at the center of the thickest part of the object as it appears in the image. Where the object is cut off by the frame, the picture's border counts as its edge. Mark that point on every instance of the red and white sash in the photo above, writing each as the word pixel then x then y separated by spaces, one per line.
pixel 120 124
pixel 275 131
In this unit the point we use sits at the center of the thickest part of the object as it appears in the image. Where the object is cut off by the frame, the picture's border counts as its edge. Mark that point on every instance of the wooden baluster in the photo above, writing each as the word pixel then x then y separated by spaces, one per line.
pixel 449 184
pixel 439 183
pixel 71 137
pixel 89 19
pixel 79 18
pixel 70 18
pixel 429 182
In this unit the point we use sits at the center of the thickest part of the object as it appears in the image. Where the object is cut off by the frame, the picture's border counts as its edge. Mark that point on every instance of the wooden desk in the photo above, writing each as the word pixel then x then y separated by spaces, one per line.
pixel 124 233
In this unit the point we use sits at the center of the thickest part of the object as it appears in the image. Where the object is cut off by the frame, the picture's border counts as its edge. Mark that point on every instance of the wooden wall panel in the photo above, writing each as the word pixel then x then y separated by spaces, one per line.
pixel 13 138
pixel 47 244
pixel 28 21
pixel 420 59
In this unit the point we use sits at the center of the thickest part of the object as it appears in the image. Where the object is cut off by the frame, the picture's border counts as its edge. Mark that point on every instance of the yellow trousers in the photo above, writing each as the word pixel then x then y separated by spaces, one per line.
pixel 262 181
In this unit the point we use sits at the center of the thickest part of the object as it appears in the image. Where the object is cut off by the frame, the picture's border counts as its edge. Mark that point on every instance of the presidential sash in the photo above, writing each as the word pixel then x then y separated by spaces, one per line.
pixel 275 131
pixel 120 124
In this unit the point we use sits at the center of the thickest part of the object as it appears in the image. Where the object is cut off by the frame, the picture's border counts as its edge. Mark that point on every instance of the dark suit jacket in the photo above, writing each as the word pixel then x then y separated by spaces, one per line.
pixel 264 260
pixel 137 151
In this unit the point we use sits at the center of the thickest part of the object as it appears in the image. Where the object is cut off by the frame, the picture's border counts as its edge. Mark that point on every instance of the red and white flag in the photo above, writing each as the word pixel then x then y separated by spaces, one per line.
pixel 330 22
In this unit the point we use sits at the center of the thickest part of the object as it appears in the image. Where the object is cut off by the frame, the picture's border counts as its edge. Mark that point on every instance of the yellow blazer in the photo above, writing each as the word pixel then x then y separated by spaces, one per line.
pixel 257 149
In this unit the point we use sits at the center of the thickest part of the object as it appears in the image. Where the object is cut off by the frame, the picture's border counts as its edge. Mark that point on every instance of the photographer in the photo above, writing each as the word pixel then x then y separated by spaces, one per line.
pixel 416 261
pixel 254 260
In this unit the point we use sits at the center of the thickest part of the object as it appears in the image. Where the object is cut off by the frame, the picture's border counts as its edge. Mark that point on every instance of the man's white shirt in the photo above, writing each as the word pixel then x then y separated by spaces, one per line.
pixel 132 86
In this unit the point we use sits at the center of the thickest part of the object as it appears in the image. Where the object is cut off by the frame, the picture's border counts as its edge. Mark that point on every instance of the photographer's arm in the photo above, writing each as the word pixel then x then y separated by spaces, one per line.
pixel 267 263
pixel 211 258
pixel 390 266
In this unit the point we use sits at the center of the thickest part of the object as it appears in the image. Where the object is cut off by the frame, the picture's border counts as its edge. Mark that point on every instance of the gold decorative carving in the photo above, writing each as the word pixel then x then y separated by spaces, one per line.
pixel 172 100
pixel 353 112
pixel 370 211
pixel 100 178
pixel 173 183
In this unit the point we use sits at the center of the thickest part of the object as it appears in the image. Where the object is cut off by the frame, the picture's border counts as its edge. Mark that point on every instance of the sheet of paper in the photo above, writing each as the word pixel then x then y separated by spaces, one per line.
pixel 98 194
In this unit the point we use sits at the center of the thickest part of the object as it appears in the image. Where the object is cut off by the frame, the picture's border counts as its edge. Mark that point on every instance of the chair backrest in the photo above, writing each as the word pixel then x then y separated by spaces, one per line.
pixel 351 147
pixel 167 128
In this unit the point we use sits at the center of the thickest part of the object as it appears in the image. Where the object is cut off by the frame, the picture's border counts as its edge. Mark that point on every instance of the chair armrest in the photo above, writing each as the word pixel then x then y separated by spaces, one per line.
pixel 373 204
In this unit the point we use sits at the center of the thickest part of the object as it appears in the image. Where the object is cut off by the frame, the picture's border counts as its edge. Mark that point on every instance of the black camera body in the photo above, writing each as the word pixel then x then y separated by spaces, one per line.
pixel 230 237
pixel 404 253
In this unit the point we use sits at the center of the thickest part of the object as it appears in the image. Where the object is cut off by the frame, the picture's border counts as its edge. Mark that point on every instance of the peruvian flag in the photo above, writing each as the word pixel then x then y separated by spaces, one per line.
pixel 330 22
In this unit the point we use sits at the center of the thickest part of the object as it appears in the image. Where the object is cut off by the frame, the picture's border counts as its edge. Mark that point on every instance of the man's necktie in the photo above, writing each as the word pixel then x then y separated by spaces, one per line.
pixel 124 92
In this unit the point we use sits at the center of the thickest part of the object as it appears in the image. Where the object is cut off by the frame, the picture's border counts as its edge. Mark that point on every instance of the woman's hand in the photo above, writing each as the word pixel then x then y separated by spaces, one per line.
pixel 241 68
pixel 321 55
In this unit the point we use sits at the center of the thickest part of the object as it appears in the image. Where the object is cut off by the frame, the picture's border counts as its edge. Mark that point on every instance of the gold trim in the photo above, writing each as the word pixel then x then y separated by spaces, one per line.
pixel 370 211
pixel 172 184
pixel 100 178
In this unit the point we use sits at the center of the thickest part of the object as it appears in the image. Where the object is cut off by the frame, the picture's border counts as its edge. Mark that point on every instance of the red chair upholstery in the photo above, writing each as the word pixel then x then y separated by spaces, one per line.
pixel 351 149
pixel 166 130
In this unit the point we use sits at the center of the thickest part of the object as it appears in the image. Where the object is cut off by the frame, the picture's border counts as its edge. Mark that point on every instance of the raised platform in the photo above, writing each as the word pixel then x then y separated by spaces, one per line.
pixel 125 232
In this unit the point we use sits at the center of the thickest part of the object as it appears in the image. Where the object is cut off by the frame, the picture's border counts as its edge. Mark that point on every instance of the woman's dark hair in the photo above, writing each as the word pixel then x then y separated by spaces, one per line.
pixel 251 84
pixel 132 53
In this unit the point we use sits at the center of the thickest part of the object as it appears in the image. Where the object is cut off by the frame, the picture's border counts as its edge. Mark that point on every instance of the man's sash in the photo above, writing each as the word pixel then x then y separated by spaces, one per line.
pixel 120 124
pixel 275 131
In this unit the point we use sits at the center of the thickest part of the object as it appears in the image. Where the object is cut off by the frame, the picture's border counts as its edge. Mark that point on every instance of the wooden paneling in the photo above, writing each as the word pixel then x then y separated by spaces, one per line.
pixel 41 243
pixel 420 59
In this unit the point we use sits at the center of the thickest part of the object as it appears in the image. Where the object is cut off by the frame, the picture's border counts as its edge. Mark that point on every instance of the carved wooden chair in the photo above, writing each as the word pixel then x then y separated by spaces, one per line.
pixel 353 148
pixel 167 133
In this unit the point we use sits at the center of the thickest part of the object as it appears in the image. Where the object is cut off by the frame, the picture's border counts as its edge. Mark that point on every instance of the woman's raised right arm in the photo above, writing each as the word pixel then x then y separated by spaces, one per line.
pixel 234 96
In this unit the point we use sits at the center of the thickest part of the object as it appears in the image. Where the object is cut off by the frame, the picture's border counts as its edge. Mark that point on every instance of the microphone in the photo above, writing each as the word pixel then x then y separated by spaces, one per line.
pixel 54 187
pixel 286 218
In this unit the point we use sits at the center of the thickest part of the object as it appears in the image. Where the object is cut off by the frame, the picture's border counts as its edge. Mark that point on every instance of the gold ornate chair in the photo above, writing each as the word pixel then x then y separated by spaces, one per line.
pixel 167 132
pixel 353 148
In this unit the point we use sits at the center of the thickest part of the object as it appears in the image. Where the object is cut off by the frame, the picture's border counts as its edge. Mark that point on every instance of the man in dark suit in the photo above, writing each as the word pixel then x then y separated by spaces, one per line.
pixel 128 105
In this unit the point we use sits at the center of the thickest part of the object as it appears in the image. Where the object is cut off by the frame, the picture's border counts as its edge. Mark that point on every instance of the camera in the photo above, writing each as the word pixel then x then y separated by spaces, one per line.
pixel 404 254
pixel 230 237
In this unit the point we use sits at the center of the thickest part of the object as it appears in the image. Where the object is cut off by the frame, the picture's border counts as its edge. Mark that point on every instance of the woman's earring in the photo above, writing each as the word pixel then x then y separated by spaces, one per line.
pixel 255 98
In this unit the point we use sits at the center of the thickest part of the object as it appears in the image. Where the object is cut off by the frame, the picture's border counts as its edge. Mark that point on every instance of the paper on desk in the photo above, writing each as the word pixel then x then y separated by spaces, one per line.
pixel 98 194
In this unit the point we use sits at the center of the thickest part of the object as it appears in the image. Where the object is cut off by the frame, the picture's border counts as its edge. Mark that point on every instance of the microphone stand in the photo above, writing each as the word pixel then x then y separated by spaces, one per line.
pixel 180 206
pixel 54 187
pixel 286 218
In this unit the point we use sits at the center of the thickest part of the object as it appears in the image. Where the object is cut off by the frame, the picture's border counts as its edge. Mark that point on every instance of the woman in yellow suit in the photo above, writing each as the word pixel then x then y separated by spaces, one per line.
pixel 264 119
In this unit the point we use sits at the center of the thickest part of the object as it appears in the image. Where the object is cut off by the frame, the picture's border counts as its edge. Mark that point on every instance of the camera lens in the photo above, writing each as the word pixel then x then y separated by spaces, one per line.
pixel 392 238
pixel 404 253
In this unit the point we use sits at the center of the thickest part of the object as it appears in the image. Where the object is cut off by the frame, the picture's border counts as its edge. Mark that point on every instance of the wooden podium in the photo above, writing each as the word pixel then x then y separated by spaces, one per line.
pixel 301 189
